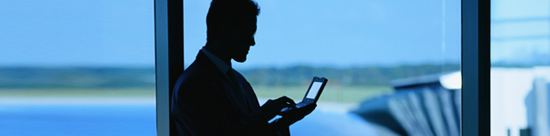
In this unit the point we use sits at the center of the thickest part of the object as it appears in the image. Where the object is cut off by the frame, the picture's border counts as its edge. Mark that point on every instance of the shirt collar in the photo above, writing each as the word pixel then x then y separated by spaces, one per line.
pixel 224 67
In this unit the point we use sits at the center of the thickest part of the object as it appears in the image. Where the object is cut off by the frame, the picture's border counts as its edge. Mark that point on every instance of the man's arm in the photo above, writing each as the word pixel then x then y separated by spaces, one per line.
pixel 203 110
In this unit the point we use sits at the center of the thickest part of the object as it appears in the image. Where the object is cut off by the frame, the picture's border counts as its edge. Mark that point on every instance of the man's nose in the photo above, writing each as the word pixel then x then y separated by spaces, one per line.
pixel 252 41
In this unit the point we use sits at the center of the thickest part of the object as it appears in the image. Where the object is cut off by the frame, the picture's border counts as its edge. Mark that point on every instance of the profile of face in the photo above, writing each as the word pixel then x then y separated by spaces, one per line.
pixel 239 38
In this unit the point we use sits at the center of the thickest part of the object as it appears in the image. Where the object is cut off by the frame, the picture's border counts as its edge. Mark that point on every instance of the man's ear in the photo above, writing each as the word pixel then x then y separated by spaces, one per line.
pixel 228 33
pixel 225 30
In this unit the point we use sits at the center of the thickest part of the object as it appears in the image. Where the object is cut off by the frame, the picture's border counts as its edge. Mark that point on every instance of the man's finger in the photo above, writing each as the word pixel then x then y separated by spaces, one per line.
pixel 286 100
pixel 291 102
pixel 283 98
pixel 300 111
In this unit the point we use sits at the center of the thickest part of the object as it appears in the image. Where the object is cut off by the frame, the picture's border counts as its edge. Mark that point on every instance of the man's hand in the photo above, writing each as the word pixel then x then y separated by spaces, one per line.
pixel 273 107
pixel 294 115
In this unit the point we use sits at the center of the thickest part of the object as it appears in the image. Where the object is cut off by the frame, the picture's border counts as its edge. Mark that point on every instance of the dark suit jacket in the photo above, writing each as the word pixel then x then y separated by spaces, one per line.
pixel 206 102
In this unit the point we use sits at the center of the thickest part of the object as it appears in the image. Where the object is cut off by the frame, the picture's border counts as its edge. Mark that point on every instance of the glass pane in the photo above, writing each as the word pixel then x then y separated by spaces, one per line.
pixel 393 67
pixel 520 56
pixel 81 68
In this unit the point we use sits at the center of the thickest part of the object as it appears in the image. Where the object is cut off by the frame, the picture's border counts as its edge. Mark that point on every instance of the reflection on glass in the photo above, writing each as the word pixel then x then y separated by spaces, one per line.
pixel 397 58
pixel 520 56
pixel 77 68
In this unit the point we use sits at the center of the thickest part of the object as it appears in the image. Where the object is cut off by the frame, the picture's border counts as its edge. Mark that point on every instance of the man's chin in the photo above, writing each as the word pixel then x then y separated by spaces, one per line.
pixel 241 60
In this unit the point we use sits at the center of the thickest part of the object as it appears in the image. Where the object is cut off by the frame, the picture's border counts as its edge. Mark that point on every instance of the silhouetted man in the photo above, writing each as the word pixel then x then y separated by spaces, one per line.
pixel 211 98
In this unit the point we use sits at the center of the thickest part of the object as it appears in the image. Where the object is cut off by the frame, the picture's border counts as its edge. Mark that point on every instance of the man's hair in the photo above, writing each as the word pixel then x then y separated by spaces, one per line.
pixel 232 12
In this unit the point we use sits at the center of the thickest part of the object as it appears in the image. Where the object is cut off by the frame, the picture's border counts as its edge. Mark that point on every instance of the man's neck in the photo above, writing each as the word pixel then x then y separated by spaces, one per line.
pixel 216 49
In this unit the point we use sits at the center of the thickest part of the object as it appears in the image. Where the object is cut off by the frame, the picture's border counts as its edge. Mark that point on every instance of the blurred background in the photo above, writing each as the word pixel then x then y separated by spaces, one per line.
pixel 87 67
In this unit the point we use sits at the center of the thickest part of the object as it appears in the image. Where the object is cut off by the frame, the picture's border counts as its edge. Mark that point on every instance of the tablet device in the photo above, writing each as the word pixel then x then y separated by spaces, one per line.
pixel 313 93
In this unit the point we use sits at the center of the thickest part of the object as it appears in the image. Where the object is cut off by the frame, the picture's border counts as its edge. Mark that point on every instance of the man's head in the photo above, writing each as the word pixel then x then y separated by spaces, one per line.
pixel 232 24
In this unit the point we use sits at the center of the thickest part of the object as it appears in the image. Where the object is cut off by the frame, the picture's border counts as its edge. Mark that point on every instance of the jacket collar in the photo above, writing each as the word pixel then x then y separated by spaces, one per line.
pixel 224 67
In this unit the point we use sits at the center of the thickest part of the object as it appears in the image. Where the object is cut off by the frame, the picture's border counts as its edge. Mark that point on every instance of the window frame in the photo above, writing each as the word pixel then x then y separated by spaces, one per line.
pixel 168 58
pixel 476 67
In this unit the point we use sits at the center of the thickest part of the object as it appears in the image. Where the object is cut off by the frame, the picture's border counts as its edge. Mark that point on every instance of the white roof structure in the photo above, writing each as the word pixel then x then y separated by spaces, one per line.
pixel 451 81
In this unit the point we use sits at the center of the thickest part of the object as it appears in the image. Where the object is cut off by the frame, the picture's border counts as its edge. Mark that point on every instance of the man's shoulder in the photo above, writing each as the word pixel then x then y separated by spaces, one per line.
pixel 196 73
pixel 194 79
pixel 202 73
pixel 202 66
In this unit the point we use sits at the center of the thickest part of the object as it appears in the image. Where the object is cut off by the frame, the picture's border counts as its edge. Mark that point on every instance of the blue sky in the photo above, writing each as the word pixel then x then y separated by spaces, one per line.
pixel 77 33
pixel 306 32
